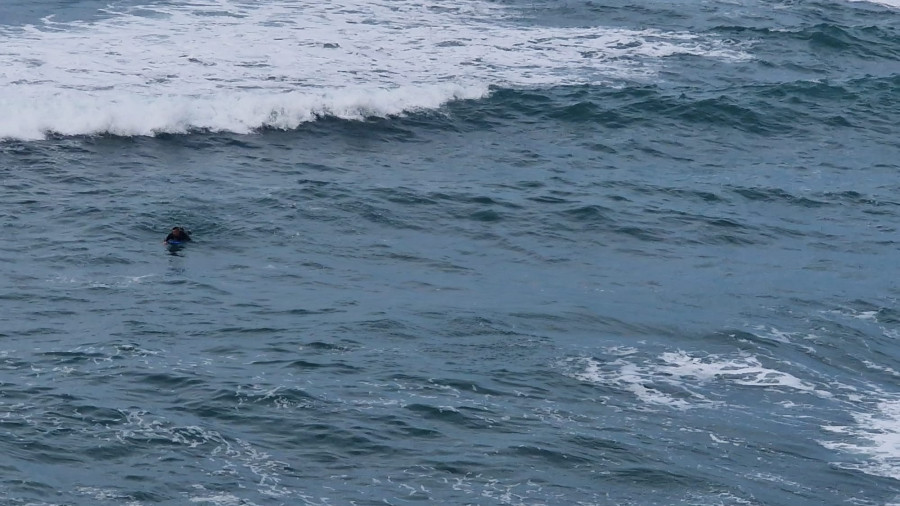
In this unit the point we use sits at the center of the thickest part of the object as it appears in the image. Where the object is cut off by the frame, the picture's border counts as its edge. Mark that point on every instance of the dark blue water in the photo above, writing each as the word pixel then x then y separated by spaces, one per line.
pixel 661 272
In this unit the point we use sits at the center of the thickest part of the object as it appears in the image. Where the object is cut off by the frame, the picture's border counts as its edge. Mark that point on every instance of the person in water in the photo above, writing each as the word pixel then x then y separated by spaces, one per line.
pixel 178 234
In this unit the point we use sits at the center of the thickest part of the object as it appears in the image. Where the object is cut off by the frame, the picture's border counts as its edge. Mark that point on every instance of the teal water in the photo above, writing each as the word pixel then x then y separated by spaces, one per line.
pixel 659 272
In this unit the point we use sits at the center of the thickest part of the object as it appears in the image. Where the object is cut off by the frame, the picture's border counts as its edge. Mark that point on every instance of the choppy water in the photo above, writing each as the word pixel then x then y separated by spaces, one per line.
pixel 468 253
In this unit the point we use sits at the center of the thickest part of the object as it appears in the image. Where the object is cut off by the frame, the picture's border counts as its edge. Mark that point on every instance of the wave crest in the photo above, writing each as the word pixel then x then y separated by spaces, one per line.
pixel 75 113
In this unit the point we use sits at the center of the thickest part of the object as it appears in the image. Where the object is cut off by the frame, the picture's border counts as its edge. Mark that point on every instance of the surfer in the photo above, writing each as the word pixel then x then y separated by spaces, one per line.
pixel 178 234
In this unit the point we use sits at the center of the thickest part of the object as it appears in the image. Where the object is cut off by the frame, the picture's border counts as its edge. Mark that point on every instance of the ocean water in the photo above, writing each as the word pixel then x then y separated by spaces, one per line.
pixel 495 253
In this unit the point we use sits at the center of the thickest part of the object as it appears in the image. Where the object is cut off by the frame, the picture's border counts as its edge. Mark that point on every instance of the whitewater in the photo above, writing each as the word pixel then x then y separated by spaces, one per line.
pixel 165 69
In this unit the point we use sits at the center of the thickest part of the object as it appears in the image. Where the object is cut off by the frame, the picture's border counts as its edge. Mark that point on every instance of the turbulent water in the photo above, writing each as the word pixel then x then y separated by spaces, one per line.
pixel 518 252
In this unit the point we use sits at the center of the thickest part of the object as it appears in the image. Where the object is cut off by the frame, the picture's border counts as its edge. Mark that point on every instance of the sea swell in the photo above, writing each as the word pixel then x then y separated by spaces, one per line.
pixel 499 253
pixel 771 110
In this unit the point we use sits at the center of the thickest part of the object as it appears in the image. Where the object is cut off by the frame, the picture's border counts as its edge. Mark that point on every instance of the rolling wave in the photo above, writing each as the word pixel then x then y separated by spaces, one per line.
pixel 230 66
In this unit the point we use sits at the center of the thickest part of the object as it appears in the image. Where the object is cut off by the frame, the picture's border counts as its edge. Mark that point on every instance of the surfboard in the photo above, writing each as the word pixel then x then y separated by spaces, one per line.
pixel 174 246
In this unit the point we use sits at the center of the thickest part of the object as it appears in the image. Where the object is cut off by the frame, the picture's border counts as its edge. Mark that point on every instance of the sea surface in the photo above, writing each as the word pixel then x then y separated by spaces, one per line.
pixel 519 252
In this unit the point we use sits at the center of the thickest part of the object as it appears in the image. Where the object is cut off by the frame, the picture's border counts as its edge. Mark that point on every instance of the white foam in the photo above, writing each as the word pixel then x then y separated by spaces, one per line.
pixel 742 370
pixel 231 454
pixel 104 495
pixel 878 367
pixel 112 282
pixel 653 380
pixel 222 499
pixel 74 113
pixel 774 334
pixel 867 315
pixel 875 436
pixel 226 65
pixel 871 315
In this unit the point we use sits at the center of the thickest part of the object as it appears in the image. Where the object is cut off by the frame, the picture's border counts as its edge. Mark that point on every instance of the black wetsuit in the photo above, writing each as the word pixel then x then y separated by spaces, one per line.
pixel 184 237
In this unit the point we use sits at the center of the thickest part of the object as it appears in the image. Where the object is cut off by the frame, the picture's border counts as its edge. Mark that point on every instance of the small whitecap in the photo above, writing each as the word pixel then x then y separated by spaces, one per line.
pixel 875 436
